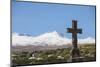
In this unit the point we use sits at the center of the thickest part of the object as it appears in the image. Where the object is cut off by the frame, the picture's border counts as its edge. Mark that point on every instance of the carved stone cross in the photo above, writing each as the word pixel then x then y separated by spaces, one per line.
pixel 74 30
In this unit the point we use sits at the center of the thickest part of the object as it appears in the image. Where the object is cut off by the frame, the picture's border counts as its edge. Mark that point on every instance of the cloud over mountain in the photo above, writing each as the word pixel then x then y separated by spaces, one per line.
pixel 51 38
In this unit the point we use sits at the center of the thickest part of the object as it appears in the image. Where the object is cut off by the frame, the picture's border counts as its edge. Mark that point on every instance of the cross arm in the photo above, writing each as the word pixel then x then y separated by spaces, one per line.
pixel 69 30
pixel 79 31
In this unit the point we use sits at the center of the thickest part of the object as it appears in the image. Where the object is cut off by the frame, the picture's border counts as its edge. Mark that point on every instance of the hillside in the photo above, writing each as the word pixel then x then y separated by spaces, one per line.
pixel 88 52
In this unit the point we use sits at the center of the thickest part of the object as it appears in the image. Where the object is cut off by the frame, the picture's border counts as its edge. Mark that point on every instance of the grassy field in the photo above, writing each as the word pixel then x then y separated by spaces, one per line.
pixel 88 51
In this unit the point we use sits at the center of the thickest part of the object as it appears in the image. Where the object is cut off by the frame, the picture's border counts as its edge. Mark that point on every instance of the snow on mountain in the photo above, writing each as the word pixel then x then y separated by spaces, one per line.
pixel 51 38
pixel 86 40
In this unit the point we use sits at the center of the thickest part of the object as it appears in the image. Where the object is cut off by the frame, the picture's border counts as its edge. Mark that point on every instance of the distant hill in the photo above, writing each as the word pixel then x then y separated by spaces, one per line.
pixel 46 41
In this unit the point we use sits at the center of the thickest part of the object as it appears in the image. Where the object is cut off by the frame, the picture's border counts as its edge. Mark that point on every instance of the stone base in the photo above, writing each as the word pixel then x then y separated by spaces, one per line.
pixel 78 59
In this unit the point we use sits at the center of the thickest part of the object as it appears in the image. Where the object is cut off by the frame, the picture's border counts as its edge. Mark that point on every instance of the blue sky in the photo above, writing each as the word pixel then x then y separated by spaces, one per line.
pixel 39 18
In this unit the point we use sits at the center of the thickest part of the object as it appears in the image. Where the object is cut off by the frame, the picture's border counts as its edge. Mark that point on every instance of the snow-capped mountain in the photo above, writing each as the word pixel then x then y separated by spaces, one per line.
pixel 46 39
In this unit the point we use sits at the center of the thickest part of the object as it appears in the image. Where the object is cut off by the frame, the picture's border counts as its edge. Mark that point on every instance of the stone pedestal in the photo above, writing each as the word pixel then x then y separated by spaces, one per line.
pixel 78 59
pixel 75 53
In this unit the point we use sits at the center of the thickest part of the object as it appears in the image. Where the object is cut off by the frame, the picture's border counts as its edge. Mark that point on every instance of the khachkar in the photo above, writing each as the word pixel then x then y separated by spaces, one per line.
pixel 75 53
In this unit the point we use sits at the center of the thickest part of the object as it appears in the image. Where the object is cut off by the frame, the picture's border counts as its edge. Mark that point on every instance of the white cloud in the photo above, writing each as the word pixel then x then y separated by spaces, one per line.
pixel 87 40
pixel 51 38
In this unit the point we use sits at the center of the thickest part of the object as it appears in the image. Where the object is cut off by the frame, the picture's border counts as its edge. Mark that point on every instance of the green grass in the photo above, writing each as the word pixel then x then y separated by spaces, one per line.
pixel 88 51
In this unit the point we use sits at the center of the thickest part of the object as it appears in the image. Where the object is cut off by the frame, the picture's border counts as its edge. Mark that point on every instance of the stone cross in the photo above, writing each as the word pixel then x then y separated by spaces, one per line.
pixel 74 30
